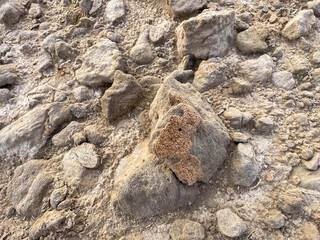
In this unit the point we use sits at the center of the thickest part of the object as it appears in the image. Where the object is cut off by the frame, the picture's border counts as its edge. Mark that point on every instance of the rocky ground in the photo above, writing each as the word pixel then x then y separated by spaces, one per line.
pixel 170 119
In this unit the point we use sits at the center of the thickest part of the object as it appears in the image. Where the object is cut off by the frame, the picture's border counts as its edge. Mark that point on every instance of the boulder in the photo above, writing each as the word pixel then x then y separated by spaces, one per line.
pixel 253 39
pixel 99 64
pixel 186 134
pixel 8 75
pixel 210 34
pixel 10 13
pixel 142 52
pixel 257 70
pixel 115 10
pixel 121 97
pixel 230 224
pixel 186 7
pixel 186 229
pixel 209 75
pixel 28 187
pixel 284 79
pixel 143 187
pixel 243 167
pixel 300 25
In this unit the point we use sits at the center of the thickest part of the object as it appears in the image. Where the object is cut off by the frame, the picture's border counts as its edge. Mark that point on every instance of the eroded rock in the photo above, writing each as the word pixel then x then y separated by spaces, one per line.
pixel 115 10
pixel 142 52
pixel 230 224
pixel 185 7
pixel 284 79
pixel 8 75
pixel 10 13
pixel 186 229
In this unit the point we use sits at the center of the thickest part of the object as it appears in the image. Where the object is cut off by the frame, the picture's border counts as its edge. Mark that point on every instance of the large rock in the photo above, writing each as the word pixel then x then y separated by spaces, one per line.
pixel 8 74
pixel 244 168
pixel 185 7
pixel 186 229
pixel 257 70
pixel 230 224
pixel 115 10
pixel 119 99
pixel 210 34
pixel 144 188
pixel 253 39
pixel 300 25
pixel 187 135
pixel 28 187
pixel 10 13
pixel 209 75
pixel 99 64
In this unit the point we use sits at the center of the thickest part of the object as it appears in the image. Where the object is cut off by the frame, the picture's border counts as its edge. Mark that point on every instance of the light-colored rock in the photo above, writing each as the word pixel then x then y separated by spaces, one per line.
pixel 64 137
pixel 86 154
pixel 186 134
pixel 243 167
pixel 253 39
pixel 185 7
pixel 306 153
pixel 284 79
pixel 86 5
pixel 312 164
pixel 186 229
pixel 209 75
pixel 96 5
pixel 35 10
pixel 115 10
pixel 210 34
pixel 142 52
pixel 315 58
pixel 300 25
pixel 240 86
pixel 5 95
pixel 83 93
pixel 257 70
pixel 99 64
pixel 265 124
pixel 230 224
pixel 310 231
pixel 315 6
pixel 73 170
pixel 290 203
pixel 121 97
pixel 306 178
pixel 10 13
pixel 158 33
pixel 274 219
pixel 299 64
pixel 8 75
pixel 57 196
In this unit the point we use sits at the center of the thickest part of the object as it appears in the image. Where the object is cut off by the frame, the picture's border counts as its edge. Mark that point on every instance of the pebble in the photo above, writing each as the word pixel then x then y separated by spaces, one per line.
pixel 230 224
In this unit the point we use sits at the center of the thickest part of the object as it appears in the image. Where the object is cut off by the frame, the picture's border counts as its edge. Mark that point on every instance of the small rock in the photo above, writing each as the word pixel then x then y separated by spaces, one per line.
pixel 115 10
pixel 209 75
pixel 300 25
pixel 299 65
pixel 209 34
pixel 64 50
pixel 315 57
pixel 57 196
pixel 185 7
pixel 240 86
pixel 244 168
pixel 86 5
pixel 159 32
pixel 265 124
pixel 239 137
pixel 121 97
pixel 183 76
pixel 306 153
pixel 253 39
pixel 86 154
pixel 310 231
pixel 64 137
pixel 142 52
pixel 82 93
pixel 275 219
pixel 235 116
pixel 58 114
pixel 230 224
pixel 290 204
pixel 312 164
pixel 8 75
pixel 78 138
pixel 35 10
pixel 10 211
pixel 315 6
pixel 284 80
pixel 10 13
pixel 5 95
pixel 45 63
pixel 307 179
pixel 93 134
pixel 97 4
pixel 186 229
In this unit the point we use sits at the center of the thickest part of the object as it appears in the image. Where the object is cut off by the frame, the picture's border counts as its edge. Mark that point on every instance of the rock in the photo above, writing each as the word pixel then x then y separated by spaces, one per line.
pixel 64 137
pixel 253 39
pixel 240 86
pixel 57 196
pixel 58 114
pixel 210 34
pixel 290 204
pixel 97 4
pixel 306 153
pixel 28 187
pixel 8 75
pixel 209 75
pixel 142 52
pixel 35 10
pixel 243 167
pixel 315 58
pixel 307 179
pixel 45 64
pixel 5 95
pixel 310 231
pixel 284 80
pixel 10 13
pixel 94 134
pixel 145 188
pixel 99 64
pixel 313 164
pixel 83 93
pixel 187 135
pixel 49 221
pixel 183 76
pixel 239 137
pixel 64 51
pixel 315 6
pixel 265 124
pixel 275 219
pixel 86 154
pixel 237 118
pixel 74 172
pixel 299 65
pixel 78 138
pixel 115 10
pixel 185 7
pixel 300 25
pixel 49 43
pixel 186 229
pixel 158 33
pixel 86 5
pixel 121 97
pixel 230 224
pixel 257 70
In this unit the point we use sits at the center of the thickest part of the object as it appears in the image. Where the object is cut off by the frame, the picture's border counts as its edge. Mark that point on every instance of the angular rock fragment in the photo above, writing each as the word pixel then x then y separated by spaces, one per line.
pixel 64 137
pixel 300 25
pixel 253 39
pixel 306 178
pixel 10 13
pixel 230 224
pixel 142 52
pixel 73 170
pixel 119 99
pixel 99 64
pixel 159 32
pixel 96 5
pixel 8 74
pixel 275 219
pixel 257 70
pixel 186 133
pixel 240 86
pixel 35 10
pixel 86 154
pixel 86 5
pixel 244 168
pixel 290 203
pixel 312 164
pixel 64 51
pixel 185 7
pixel 315 6
pixel 57 196
pixel 5 95
pixel 210 34
pixel 209 75
pixel 186 229
pixel 265 124
pixel 115 10
pixel 145 188
pixel 284 79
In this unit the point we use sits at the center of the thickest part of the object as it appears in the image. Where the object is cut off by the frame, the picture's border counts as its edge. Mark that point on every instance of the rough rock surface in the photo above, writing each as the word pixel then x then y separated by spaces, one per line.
pixel 230 224
pixel 210 34
pixel 115 10
pixel 186 229
pixel 86 154
pixel 142 52
pixel 10 13
pixel 8 75
pixel 185 7
pixel 284 80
